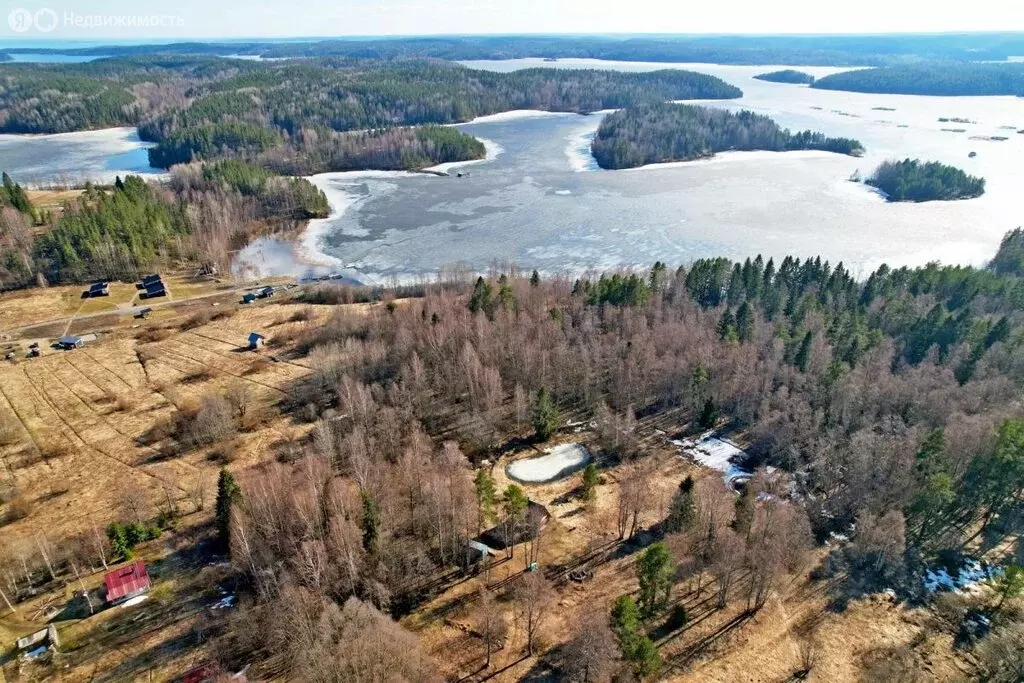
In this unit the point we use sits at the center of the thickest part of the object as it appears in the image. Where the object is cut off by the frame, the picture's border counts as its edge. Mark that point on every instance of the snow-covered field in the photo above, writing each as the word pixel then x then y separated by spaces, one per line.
pixel 718 454
pixel 556 463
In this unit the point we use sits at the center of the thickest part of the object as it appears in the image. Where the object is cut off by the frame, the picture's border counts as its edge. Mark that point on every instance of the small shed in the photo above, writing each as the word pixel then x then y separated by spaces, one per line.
pixel 266 292
pixel 46 637
pixel 127 582
pixel 154 290
pixel 100 289
pixel 69 343
pixel 248 298
pixel 256 341
pixel 142 314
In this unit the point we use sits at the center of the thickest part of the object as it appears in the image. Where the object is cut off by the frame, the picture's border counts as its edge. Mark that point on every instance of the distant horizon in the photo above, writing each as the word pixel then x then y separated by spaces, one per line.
pixel 201 20
pixel 516 34
pixel 34 41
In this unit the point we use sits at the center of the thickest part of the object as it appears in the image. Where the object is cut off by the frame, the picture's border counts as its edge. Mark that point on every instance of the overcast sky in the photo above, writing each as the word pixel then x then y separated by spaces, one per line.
pixel 295 18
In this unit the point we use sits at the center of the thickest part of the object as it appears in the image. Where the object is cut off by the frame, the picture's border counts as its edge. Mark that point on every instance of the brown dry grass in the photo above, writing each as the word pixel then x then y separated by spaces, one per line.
pixel 85 426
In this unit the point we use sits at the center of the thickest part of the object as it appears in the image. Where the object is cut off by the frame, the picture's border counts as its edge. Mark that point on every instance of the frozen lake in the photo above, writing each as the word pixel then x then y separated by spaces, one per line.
pixel 539 200
pixel 542 202
pixel 72 158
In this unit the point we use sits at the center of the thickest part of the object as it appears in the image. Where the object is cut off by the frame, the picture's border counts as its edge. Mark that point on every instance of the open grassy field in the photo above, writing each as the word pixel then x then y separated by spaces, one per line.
pixel 87 444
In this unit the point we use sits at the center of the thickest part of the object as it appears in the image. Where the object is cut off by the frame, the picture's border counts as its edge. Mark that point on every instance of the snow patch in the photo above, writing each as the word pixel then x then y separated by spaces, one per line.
pixel 557 462
pixel 969 577
pixel 730 157
pixel 717 454
pixel 515 115
pixel 137 600
pixel 577 147
pixel 227 602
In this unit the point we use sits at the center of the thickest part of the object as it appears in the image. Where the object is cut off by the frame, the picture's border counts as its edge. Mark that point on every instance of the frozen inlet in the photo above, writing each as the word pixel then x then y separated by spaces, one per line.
pixel 557 462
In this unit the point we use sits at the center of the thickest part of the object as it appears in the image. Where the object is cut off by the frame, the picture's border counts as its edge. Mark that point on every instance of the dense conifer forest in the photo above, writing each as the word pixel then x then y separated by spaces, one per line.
pixel 293 114
pixel 934 78
pixel 786 76
pixel 912 180
pixel 118 232
pixel 677 132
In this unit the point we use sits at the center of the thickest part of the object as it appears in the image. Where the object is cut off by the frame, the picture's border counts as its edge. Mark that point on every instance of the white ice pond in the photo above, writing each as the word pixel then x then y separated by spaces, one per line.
pixel 556 463
pixel 718 454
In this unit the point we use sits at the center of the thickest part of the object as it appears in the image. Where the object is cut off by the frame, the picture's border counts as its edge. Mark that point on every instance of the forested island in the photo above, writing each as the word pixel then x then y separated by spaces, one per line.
pixel 308 116
pixel 931 78
pixel 204 213
pixel 787 76
pixel 661 132
pixel 912 180
pixel 4 57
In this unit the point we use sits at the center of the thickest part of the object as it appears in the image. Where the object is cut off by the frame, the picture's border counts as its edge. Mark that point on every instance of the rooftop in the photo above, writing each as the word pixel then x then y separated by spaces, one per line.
pixel 128 579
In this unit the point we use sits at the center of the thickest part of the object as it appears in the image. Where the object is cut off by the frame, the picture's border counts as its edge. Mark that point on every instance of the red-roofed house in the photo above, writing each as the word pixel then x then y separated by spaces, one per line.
pixel 127 582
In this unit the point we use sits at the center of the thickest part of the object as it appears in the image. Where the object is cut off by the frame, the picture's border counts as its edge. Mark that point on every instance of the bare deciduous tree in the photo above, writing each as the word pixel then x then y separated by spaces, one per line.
pixel 591 654
pixel 534 599
pixel 490 623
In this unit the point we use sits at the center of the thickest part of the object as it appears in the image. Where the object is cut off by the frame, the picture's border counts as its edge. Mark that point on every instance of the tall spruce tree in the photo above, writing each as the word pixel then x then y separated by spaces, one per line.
pixel 545 415
pixel 229 494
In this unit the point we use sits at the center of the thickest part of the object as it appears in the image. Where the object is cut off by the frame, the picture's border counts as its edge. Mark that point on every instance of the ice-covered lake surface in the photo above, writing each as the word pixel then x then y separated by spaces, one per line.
pixel 72 158
pixel 543 204
pixel 556 463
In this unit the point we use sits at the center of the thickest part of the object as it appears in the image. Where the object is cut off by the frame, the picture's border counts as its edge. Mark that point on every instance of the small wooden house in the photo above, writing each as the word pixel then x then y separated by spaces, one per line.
pixel 128 582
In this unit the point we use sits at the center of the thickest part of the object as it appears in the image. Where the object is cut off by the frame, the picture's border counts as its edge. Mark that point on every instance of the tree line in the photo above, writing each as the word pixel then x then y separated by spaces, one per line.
pixel 912 180
pixel 654 133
